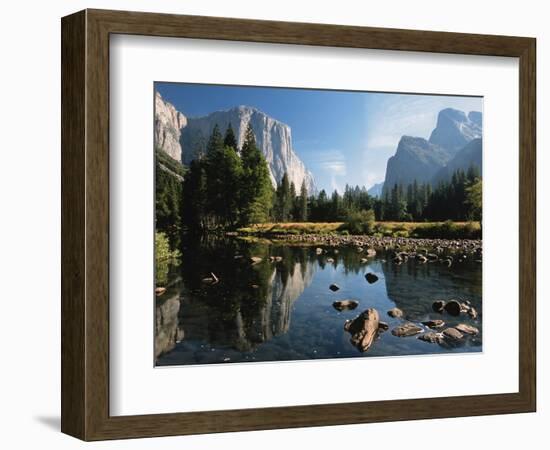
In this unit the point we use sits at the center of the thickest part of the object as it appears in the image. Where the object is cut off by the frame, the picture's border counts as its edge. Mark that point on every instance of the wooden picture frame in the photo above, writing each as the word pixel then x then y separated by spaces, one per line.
pixel 85 224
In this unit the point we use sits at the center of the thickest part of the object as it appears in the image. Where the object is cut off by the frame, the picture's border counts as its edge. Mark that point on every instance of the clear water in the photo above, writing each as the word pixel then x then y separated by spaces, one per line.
pixel 279 311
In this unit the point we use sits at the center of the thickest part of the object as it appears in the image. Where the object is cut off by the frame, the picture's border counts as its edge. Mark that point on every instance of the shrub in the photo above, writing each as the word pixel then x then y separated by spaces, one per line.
pixel 360 222
pixel 401 233
pixel 448 230
pixel 162 248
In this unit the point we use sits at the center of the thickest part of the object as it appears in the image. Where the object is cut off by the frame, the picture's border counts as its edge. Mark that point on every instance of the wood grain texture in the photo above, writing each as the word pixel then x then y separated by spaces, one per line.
pixel 85 224
pixel 73 112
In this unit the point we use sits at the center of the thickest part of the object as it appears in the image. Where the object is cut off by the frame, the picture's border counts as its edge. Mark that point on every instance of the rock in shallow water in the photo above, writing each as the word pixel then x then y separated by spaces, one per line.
pixel 452 334
pixel 407 329
pixel 363 329
pixel 334 287
pixel 340 305
pixel 395 313
pixel 437 323
pixel 371 278
pixel 453 308
pixel 438 306
pixel 467 329
pixel 432 337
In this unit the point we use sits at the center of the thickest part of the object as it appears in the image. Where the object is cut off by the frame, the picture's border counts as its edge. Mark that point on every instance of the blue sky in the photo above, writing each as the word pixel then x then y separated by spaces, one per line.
pixel 342 136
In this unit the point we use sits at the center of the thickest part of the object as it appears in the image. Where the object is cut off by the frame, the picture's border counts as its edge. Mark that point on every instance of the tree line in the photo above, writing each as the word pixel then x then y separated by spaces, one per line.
pixel 227 187
pixel 457 199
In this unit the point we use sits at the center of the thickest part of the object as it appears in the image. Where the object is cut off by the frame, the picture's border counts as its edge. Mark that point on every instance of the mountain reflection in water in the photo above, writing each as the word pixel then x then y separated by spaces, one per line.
pixel 282 310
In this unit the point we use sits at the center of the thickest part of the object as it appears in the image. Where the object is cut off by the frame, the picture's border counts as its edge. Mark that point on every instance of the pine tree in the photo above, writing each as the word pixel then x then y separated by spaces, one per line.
pixel 283 199
pixel 230 140
pixel 303 212
pixel 256 190
pixel 194 203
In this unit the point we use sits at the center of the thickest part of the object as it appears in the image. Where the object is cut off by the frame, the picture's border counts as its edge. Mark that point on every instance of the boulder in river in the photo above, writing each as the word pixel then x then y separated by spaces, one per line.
pixel 395 313
pixel 330 260
pixel 160 290
pixel 421 259
pixel 341 305
pixel 467 329
pixel 363 329
pixel 383 326
pixel 452 334
pixel 436 323
pixel 472 312
pixel 319 251
pixel 407 329
pixel 334 287
pixel 438 306
pixel 371 278
pixel 255 260
pixel 453 307
pixel 370 252
pixel 432 337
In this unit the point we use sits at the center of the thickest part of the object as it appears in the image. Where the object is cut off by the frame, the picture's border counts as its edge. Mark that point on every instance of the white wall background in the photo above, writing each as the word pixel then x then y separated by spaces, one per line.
pixel 30 221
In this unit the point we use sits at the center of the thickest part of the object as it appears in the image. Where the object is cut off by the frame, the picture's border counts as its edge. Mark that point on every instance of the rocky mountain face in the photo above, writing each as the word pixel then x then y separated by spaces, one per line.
pixel 470 155
pixel 415 159
pixel 185 138
pixel 168 125
pixel 273 138
pixel 433 160
pixel 376 190
pixel 454 129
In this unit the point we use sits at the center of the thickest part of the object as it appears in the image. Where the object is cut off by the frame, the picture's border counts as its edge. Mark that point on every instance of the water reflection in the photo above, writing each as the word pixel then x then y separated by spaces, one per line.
pixel 281 309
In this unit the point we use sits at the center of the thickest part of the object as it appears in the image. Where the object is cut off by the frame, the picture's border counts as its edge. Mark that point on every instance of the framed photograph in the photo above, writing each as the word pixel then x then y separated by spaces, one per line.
pixel 271 225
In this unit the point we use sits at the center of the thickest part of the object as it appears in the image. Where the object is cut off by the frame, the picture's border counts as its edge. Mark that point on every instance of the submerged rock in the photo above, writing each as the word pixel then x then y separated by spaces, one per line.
pixel 363 329
pixel 334 287
pixel 371 278
pixel 341 305
pixel 432 337
pixel 395 313
pixel 407 329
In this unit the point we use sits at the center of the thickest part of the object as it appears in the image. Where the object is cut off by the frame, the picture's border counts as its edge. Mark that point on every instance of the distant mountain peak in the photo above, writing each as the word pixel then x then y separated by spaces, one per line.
pixel 426 160
pixel 455 129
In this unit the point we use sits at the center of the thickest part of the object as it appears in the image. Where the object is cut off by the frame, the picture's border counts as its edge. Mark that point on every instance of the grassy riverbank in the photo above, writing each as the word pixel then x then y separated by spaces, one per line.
pixel 429 230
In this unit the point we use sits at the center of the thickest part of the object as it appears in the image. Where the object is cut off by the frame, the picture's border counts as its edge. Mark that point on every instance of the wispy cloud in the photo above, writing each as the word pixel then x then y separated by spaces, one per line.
pixel 334 164
pixel 390 116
